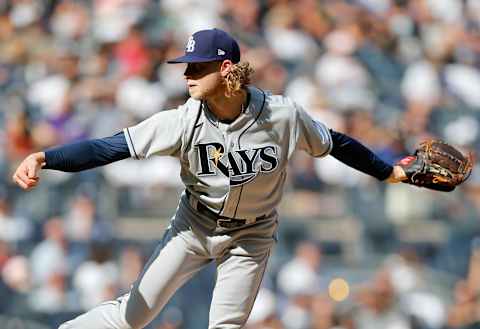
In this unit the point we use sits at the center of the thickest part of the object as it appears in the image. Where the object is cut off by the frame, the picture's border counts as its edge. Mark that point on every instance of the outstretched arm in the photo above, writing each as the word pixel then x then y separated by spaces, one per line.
pixel 72 158
pixel 357 156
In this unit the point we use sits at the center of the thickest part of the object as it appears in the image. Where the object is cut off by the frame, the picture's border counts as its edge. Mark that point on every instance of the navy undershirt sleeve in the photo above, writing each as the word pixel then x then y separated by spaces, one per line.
pixel 87 154
pixel 357 156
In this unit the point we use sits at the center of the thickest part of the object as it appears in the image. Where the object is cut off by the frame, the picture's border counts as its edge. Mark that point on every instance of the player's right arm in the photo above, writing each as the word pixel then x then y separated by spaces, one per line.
pixel 161 134
pixel 71 158
pixel 26 175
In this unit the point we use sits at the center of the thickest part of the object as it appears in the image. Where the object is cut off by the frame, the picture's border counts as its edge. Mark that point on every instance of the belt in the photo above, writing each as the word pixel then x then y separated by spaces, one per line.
pixel 222 221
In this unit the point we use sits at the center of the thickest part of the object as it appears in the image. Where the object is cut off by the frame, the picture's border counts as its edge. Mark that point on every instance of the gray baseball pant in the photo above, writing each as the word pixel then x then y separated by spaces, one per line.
pixel 189 244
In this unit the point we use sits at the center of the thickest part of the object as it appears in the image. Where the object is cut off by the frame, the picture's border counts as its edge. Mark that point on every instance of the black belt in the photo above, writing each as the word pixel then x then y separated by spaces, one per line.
pixel 222 221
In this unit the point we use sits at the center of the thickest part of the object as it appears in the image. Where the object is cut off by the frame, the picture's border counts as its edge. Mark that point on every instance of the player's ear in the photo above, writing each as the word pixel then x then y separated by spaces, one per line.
pixel 225 67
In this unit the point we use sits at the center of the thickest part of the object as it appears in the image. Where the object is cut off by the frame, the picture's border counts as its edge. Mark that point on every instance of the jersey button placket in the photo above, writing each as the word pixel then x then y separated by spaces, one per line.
pixel 228 147
pixel 233 194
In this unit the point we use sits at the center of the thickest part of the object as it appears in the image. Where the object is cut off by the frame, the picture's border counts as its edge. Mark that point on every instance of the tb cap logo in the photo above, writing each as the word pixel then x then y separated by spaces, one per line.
pixel 209 46
pixel 190 45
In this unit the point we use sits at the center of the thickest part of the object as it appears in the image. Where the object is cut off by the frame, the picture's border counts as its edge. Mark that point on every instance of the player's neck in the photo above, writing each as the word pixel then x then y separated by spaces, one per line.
pixel 227 108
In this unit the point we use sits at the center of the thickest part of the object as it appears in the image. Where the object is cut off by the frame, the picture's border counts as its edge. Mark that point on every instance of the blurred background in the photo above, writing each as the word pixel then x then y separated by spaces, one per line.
pixel 387 72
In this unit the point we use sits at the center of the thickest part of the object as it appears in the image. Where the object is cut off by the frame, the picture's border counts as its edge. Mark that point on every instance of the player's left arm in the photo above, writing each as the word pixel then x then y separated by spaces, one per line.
pixel 354 154
pixel 316 139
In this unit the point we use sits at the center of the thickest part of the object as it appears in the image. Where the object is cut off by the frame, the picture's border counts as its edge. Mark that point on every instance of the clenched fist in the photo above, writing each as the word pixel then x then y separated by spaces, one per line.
pixel 26 175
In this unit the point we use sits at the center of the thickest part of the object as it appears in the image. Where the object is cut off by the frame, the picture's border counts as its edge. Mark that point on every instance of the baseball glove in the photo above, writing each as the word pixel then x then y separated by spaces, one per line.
pixel 436 165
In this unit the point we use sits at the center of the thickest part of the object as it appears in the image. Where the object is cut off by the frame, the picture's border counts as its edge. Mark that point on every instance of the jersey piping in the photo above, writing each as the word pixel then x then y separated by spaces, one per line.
pixel 240 145
pixel 130 144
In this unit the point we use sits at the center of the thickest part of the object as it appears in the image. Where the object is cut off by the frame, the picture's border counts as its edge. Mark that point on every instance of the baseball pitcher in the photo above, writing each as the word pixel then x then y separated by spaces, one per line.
pixel 233 142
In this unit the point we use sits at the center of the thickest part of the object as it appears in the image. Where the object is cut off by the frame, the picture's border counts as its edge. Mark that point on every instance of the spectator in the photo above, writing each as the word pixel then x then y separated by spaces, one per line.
pixel 380 307
pixel 13 229
pixel 17 278
pixel 264 312
pixel 50 256
pixel 95 280
pixel 299 280
pixel 130 266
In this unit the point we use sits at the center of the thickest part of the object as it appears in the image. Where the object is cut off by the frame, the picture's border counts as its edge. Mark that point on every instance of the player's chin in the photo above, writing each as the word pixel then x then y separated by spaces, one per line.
pixel 196 95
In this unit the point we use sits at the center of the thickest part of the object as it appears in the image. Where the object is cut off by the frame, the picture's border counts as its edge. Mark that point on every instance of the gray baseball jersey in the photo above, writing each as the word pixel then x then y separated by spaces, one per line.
pixel 238 169
pixel 234 170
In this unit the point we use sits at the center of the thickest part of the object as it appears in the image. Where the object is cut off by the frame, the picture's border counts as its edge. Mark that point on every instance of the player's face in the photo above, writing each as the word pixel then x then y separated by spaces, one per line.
pixel 204 79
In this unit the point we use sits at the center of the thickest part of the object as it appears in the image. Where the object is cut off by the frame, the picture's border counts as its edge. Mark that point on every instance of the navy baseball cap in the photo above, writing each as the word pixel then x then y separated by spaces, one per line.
pixel 209 46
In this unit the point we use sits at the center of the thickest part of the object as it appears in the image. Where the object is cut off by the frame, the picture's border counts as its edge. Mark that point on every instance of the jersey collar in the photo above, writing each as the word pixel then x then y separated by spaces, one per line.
pixel 249 114
pixel 255 102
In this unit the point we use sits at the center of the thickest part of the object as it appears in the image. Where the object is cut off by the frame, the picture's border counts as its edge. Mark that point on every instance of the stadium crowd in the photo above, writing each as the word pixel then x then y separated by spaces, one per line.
pixel 390 73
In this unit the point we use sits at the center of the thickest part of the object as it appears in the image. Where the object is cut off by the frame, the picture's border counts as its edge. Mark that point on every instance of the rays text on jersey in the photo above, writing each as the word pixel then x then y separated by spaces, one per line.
pixel 241 166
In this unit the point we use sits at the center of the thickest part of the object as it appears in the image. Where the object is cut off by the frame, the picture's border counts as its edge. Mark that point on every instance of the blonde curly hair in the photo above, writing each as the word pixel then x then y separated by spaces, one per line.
pixel 238 77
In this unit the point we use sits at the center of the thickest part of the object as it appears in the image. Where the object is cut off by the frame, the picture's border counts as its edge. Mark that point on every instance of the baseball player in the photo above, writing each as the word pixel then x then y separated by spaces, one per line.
pixel 233 141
